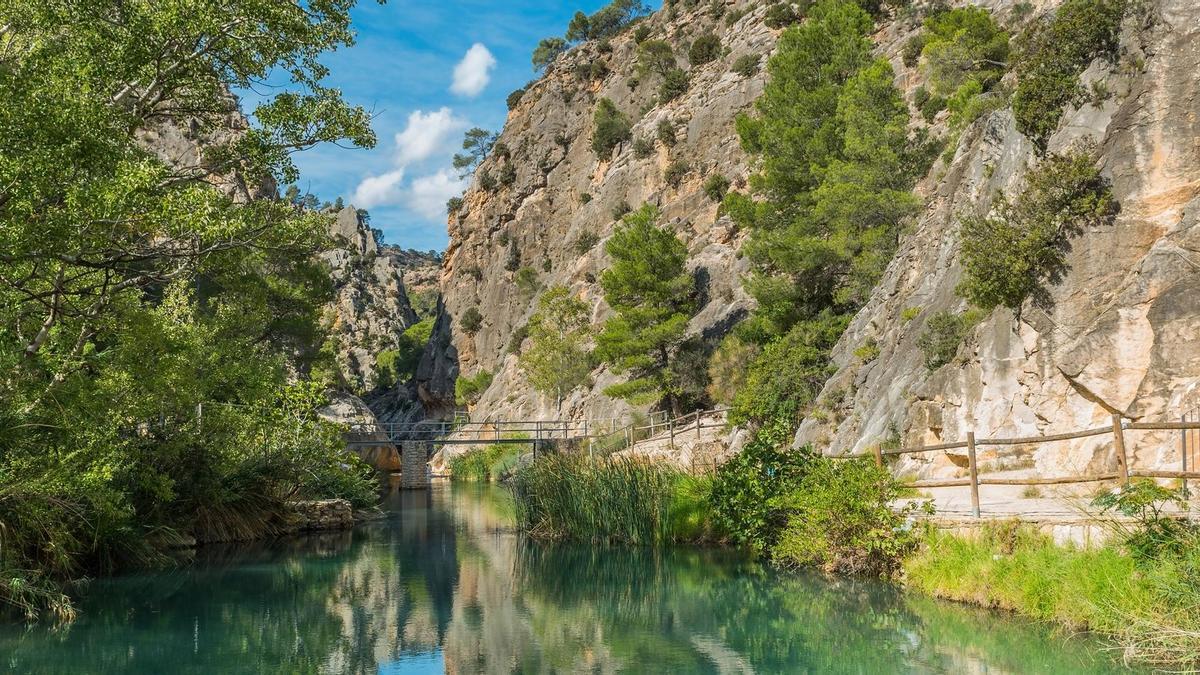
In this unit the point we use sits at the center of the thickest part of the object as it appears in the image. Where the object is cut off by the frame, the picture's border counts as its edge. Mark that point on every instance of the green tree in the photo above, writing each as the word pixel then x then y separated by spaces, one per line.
pixel 1013 253
pixel 547 50
pixel 705 48
pixel 478 143
pixel 557 359
pixel 612 127
pixel 656 56
pixel 159 338
pixel 648 287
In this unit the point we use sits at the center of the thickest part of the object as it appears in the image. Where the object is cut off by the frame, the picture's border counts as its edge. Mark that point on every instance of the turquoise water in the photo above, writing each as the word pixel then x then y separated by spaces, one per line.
pixel 445 585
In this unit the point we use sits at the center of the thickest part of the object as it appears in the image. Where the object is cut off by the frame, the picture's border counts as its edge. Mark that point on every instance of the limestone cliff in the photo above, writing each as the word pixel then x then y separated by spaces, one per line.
pixel 372 307
pixel 1120 335
pixel 558 205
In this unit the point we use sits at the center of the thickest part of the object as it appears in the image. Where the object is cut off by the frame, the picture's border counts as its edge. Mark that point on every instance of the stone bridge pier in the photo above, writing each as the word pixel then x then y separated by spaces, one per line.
pixel 414 464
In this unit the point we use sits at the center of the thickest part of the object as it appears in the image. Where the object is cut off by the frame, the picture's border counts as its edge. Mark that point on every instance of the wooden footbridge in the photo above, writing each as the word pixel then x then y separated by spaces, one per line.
pixel 417 441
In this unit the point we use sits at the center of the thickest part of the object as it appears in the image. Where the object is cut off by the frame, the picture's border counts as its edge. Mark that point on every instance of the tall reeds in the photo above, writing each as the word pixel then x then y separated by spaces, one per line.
pixel 611 499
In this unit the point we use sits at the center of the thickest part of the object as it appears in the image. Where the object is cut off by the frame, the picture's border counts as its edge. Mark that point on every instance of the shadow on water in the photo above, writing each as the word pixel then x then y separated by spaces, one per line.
pixel 445 584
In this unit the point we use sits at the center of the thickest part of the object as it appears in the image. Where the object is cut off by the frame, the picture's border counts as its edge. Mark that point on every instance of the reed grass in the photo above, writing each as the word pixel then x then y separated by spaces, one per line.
pixel 613 499
pixel 490 463
pixel 1151 613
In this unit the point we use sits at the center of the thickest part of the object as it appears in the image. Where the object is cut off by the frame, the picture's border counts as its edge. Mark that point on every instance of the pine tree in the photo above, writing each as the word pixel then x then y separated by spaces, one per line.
pixel 650 289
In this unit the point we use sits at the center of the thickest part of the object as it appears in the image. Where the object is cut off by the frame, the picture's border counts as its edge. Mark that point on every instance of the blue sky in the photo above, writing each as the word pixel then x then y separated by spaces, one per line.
pixel 403 67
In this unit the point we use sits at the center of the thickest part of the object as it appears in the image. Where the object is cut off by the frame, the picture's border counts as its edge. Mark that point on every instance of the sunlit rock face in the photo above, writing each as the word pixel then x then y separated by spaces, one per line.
pixel 559 207
pixel 1120 335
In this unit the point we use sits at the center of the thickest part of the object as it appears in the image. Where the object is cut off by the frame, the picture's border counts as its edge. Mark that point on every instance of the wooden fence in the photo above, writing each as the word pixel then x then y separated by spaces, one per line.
pixel 1123 471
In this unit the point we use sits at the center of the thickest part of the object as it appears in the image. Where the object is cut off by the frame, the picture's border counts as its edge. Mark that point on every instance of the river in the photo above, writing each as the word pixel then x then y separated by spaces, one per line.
pixel 445 585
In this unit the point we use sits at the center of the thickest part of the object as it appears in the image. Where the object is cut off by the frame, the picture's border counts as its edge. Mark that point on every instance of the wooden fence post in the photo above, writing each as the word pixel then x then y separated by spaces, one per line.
pixel 1119 445
pixel 878 456
pixel 671 430
pixel 697 426
pixel 974 473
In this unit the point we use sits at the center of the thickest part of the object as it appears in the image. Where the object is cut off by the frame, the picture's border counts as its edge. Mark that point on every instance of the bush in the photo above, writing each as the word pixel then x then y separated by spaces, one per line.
pixel 782 15
pixel 1052 55
pixel 674 173
pixel 641 33
pixel 643 148
pixel 944 332
pixel 471 321
pixel 453 205
pixel 746 65
pixel 517 339
pixel 487 182
pixel 507 175
pixel 467 390
pixel 620 209
pixel 665 131
pixel 585 197
pixel 1014 254
pixel 745 488
pixel 526 280
pixel 674 85
pixel 716 186
pixel 612 128
pixel 586 242
pixel 840 518
pixel 727 368
pixel 514 98
pixel 704 49
pixel 400 364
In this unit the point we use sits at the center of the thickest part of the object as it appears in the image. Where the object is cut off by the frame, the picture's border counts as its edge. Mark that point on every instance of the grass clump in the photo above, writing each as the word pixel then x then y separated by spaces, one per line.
pixel 610 500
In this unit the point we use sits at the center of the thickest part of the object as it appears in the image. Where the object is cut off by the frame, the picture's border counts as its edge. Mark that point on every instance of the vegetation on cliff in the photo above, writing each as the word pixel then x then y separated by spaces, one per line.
pixel 159 340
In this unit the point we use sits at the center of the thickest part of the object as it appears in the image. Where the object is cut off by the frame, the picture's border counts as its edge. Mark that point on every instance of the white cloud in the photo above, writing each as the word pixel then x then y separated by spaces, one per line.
pixel 376 190
pixel 426 135
pixel 473 73
pixel 428 194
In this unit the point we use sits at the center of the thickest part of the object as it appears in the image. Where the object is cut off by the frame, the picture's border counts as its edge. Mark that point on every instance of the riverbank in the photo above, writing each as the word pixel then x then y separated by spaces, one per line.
pixel 1141 591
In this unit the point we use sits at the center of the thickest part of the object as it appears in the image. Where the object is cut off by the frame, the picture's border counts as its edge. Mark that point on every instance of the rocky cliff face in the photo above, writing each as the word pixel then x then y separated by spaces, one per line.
pixel 554 214
pixel 1120 335
pixel 372 306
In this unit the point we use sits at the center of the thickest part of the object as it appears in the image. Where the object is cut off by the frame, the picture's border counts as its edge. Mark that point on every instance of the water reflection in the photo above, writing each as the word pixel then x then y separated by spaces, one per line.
pixel 446 585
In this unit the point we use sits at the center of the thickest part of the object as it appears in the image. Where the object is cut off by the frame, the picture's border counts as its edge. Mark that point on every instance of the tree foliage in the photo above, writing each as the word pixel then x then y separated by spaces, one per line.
pixel 1013 253
pixel 477 143
pixel 648 287
pixel 612 127
pixel 1052 54
pixel 546 51
pixel 159 337
pixel 557 359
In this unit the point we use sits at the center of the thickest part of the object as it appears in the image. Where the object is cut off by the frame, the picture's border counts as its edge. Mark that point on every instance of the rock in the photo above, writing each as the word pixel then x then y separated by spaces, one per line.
pixel 322 514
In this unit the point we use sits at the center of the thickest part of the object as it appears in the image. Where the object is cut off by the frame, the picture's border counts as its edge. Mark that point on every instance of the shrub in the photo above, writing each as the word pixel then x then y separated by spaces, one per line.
pixel 704 49
pixel 487 182
pixel 526 280
pixel 514 98
pixel 909 313
pixel 620 209
pixel 1011 255
pixel 400 364
pixel 471 321
pixel 665 131
pixel 746 65
pixel 467 390
pixel 727 368
pixel 517 339
pixel 586 242
pixel 841 519
pixel 512 259
pixel 643 148
pixel 674 173
pixel 453 205
pixel 612 128
pixel 674 85
pixel 911 54
pixel 931 107
pixel 716 186
pixel 745 488
pixel 944 332
pixel 868 351
pixel 1052 55
pixel 782 15
pixel 641 33
pixel 508 174
pixel 585 197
